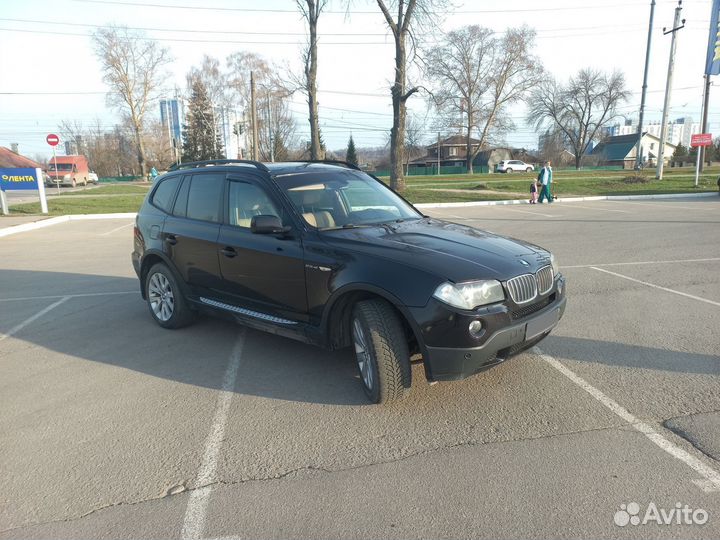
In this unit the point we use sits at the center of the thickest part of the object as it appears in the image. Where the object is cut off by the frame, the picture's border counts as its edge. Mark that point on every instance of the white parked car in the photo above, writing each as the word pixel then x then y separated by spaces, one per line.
pixel 514 165
pixel 92 178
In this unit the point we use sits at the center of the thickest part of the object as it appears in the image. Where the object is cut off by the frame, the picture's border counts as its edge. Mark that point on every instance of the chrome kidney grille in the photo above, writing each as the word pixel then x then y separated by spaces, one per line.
pixel 526 288
pixel 523 289
pixel 544 279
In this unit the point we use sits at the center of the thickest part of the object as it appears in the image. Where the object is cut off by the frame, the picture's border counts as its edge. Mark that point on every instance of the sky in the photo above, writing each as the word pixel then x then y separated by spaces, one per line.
pixel 48 70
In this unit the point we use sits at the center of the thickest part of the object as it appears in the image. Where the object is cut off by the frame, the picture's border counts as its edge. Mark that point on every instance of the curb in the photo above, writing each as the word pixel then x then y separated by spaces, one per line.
pixel 572 199
pixel 60 219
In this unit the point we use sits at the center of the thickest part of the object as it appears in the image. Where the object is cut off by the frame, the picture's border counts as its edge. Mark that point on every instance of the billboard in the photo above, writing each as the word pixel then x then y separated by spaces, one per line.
pixel 712 65
pixel 20 179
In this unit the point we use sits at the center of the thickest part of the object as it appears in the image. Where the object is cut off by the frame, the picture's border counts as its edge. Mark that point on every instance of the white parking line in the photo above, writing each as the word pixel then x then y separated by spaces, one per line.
pixel 658 287
pixel 528 212
pixel 711 477
pixel 52 296
pixel 117 229
pixel 668 204
pixel 711 259
pixel 194 521
pixel 599 209
pixel 39 314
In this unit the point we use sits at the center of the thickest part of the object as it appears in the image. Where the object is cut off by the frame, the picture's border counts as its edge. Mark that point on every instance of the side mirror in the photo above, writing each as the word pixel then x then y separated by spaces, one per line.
pixel 265 224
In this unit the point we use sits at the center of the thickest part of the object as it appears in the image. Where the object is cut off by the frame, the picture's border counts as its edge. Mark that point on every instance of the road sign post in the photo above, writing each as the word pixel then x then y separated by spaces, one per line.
pixel 698 141
pixel 53 140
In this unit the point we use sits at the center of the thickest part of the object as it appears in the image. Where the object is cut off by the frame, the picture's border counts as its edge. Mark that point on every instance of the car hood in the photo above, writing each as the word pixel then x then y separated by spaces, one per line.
pixel 448 250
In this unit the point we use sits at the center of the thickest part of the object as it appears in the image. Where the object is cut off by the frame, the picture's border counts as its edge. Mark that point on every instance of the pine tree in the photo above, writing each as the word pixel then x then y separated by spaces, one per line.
pixel 351 156
pixel 201 138
pixel 680 151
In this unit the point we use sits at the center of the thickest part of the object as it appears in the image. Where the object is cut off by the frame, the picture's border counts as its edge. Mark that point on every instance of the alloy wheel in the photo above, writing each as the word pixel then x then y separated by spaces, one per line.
pixel 161 297
pixel 364 359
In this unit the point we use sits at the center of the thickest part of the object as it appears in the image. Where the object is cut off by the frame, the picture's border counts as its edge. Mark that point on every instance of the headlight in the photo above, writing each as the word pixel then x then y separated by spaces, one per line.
pixel 554 264
pixel 471 294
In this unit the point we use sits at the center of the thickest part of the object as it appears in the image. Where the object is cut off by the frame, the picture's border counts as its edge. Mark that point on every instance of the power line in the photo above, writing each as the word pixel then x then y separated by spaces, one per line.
pixel 359 12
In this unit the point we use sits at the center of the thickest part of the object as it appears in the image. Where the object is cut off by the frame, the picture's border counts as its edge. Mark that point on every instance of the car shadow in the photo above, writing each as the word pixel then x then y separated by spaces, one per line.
pixel 110 324
pixel 611 353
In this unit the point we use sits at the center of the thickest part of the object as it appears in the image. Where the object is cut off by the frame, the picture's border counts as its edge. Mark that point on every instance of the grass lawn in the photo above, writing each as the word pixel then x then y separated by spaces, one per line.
pixel 81 205
pixel 425 189
pixel 114 189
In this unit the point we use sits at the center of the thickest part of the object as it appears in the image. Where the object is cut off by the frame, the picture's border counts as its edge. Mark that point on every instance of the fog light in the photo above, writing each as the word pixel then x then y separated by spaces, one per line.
pixel 560 287
pixel 475 328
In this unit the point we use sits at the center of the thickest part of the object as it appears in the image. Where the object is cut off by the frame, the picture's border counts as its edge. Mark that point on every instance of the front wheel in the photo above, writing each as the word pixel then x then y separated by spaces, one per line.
pixel 165 300
pixel 381 351
pixel 529 169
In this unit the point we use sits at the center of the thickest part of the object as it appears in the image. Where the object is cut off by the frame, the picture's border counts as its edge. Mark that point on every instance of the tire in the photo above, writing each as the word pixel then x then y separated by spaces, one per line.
pixel 529 169
pixel 381 351
pixel 508 171
pixel 73 183
pixel 165 299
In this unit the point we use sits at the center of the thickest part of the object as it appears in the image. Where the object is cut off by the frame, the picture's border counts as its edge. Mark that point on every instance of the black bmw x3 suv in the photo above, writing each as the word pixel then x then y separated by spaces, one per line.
pixel 326 254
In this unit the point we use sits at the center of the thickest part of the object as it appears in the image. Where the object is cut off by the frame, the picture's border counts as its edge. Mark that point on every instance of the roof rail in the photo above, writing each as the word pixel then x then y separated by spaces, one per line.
pixel 216 162
pixel 332 162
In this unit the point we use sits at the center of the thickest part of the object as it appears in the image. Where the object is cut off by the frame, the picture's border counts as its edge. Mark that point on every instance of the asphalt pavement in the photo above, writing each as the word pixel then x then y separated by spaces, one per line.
pixel 111 427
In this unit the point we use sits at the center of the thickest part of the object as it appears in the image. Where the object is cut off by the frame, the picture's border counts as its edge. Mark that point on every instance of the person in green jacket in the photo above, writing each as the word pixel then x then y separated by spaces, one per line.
pixel 545 179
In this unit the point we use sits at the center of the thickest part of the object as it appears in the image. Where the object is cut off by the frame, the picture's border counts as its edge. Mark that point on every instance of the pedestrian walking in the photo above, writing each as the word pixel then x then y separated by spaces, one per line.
pixel 533 191
pixel 153 174
pixel 718 183
pixel 545 179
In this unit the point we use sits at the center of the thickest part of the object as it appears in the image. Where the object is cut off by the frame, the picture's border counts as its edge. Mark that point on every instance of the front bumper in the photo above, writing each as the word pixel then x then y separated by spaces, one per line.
pixel 451 353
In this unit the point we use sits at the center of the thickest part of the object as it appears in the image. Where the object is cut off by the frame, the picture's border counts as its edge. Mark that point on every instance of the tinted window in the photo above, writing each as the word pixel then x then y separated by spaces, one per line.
pixel 206 191
pixel 248 200
pixel 180 209
pixel 165 192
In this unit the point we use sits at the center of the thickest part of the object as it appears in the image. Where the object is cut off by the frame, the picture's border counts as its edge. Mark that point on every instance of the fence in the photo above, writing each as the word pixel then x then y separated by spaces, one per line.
pixel 113 179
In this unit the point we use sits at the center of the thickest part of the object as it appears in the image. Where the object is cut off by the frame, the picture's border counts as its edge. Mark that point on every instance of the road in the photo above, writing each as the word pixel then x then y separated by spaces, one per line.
pixel 113 427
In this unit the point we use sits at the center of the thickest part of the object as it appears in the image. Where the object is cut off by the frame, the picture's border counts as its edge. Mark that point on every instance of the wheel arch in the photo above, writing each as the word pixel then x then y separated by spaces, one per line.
pixel 150 259
pixel 336 319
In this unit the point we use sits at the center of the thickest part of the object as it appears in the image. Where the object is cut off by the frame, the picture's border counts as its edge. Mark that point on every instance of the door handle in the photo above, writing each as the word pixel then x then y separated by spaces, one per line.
pixel 170 239
pixel 228 252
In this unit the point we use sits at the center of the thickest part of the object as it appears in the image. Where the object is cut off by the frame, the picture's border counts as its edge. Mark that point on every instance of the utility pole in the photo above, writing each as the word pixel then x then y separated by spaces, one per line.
pixel 270 128
pixel 253 113
pixel 703 127
pixel 668 88
pixel 638 149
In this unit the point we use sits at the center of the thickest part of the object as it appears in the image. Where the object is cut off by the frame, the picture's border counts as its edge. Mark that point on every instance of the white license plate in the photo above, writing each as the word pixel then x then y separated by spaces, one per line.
pixel 542 324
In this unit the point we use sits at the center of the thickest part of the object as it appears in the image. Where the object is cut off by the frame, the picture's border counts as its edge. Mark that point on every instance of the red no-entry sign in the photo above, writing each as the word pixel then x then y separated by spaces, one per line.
pixel 52 139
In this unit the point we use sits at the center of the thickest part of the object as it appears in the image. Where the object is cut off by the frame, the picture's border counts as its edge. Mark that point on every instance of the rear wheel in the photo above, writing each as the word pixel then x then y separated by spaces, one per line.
pixel 381 351
pixel 165 300
pixel 508 170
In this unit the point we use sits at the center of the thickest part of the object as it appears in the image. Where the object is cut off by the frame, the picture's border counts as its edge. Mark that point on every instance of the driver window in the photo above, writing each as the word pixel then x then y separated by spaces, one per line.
pixel 248 200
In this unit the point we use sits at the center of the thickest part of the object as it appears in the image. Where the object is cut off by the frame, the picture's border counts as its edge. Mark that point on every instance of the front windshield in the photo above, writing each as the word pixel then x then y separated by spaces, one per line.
pixel 344 199
pixel 60 167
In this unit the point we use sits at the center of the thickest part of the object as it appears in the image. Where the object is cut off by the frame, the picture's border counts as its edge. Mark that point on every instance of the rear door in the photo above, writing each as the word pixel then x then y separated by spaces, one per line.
pixel 264 273
pixel 190 233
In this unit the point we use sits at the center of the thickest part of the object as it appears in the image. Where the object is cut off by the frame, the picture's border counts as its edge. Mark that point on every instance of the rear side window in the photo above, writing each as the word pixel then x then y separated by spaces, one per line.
pixel 165 193
pixel 205 195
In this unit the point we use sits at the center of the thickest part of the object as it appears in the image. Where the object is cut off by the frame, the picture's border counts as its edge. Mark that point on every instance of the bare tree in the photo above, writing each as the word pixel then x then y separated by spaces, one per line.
pixel 579 109
pixel 478 75
pixel 132 66
pixel 311 10
pixel 408 14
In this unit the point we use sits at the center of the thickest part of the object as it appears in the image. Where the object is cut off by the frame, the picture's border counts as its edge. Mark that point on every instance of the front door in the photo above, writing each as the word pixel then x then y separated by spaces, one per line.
pixel 261 272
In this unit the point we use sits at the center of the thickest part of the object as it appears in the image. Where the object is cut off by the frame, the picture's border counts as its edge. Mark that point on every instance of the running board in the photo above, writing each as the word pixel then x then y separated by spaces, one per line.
pixel 246 312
